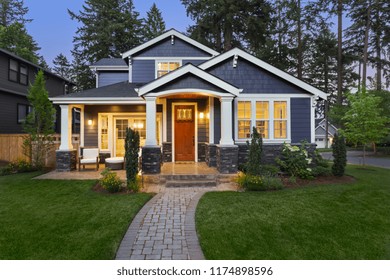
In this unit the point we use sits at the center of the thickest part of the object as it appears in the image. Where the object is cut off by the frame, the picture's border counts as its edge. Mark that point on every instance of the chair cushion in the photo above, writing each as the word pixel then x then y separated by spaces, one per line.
pixel 90 153
pixel 87 160
pixel 115 160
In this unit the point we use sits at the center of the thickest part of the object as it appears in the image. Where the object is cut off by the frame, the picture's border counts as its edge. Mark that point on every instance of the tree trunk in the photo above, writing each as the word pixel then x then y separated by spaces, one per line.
pixel 365 50
pixel 378 48
pixel 299 41
pixel 340 53
pixel 364 154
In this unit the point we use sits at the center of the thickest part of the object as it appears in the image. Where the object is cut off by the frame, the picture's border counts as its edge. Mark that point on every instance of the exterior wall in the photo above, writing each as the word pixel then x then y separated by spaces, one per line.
pixel 109 78
pixel 9 112
pixel 251 78
pixel 166 49
pixel 189 81
pixel 300 120
pixel 143 71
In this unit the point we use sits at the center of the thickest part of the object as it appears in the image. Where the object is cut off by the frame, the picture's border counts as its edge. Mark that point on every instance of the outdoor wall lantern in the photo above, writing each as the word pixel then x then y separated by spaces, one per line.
pixel 201 115
pixel 90 122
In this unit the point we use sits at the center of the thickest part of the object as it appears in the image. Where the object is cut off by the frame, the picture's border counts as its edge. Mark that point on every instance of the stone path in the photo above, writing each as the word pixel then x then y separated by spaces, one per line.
pixel 164 229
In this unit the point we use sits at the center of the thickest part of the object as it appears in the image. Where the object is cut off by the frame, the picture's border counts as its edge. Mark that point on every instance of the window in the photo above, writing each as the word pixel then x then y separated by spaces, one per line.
pixel 280 119
pixel 23 111
pixel 262 118
pixel 166 67
pixel 244 119
pixel 104 133
pixel 18 72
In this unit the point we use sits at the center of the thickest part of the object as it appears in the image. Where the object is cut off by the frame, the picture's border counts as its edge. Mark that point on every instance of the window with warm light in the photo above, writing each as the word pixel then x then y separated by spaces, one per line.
pixel 280 119
pixel 165 67
pixel 104 133
pixel 262 118
pixel 244 119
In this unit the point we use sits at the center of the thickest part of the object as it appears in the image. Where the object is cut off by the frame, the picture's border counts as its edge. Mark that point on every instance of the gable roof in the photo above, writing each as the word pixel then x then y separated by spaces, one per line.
pixel 165 35
pixel 262 64
pixel 184 70
pixel 110 62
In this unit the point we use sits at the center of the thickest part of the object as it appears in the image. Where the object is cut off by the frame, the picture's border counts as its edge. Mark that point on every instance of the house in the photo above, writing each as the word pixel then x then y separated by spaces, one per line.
pixel 320 133
pixel 189 104
pixel 16 74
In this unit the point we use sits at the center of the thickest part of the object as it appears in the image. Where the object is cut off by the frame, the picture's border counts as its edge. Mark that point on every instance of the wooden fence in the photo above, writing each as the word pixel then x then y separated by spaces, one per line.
pixel 11 148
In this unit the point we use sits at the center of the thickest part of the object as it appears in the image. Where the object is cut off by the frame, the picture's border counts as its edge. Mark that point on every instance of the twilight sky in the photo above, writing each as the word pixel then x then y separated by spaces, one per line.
pixel 53 29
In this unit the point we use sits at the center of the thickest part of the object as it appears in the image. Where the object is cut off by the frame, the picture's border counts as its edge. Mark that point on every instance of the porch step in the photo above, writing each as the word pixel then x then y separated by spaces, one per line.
pixel 189 181
pixel 190 184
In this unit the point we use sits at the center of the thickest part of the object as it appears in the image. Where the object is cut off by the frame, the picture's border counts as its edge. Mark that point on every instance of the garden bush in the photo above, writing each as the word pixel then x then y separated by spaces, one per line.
pixel 259 183
pixel 134 185
pixel 110 181
pixel 295 161
pixel 255 147
pixel 339 155
pixel 19 166
pixel 132 143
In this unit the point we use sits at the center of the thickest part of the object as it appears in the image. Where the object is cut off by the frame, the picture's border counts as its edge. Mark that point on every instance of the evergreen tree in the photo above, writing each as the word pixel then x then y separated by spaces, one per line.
pixel 131 158
pixel 253 166
pixel 339 152
pixel 62 67
pixel 81 73
pixel 39 123
pixel 154 24
pixel 13 11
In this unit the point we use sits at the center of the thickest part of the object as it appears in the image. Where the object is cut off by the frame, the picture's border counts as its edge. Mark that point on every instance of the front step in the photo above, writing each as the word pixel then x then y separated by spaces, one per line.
pixel 189 181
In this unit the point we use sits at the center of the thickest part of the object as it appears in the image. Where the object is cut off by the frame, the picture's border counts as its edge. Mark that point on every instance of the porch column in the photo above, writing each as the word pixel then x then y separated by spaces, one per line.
pixel 66 128
pixel 151 153
pixel 151 139
pixel 66 156
pixel 227 123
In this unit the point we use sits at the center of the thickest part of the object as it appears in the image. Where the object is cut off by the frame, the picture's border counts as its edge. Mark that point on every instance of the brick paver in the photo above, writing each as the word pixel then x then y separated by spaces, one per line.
pixel 165 228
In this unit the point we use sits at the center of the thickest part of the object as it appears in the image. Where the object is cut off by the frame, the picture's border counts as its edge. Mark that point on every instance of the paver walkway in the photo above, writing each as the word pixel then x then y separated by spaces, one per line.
pixel 164 229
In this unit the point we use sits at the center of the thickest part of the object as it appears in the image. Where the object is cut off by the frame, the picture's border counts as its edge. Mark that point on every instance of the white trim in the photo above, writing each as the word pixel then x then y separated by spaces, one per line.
pixel 271 101
pixel 172 60
pixel 313 122
pixel 189 68
pixel 97 100
pixel 130 69
pixel 171 57
pixel 323 123
pixel 66 128
pixel 211 119
pixel 265 66
pixel 189 90
pixel 165 121
pixel 109 68
pixel 173 127
pixel 167 35
pixel 274 95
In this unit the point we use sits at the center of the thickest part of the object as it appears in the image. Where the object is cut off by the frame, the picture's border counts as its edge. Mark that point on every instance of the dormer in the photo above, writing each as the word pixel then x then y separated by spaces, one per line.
pixel 110 71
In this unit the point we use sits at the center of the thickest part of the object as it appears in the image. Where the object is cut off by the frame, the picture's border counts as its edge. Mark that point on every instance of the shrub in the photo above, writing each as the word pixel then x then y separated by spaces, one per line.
pixel 295 161
pixel 19 166
pixel 339 155
pixel 269 170
pixel 259 183
pixel 319 160
pixel 131 159
pixel 110 181
pixel 253 166
pixel 134 185
pixel 6 170
pixel 321 171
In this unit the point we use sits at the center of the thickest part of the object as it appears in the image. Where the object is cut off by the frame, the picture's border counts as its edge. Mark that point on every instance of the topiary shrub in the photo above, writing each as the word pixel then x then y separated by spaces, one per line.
pixel 132 159
pixel 255 147
pixel 110 181
pixel 339 155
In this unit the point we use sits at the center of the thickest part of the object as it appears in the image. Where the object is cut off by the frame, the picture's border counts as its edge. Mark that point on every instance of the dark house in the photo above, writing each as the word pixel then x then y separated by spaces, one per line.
pixel 16 74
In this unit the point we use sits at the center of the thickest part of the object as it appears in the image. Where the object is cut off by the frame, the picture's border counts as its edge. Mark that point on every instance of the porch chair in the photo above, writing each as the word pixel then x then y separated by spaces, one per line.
pixel 90 156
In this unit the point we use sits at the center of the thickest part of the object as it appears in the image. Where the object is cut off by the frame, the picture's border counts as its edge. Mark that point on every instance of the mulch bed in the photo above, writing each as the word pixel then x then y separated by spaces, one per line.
pixel 321 180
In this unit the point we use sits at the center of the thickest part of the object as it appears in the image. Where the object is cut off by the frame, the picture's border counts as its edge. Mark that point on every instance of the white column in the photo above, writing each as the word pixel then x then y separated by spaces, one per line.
pixel 151 139
pixel 66 128
pixel 226 121
pixel 81 125
pixel 211 120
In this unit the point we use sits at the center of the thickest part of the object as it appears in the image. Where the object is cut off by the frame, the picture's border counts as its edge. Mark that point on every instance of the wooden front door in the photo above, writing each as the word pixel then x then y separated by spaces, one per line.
pixel 184 132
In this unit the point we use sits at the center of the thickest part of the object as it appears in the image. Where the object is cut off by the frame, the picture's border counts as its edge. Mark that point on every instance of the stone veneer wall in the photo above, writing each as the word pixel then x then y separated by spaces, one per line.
pixel 151 160
pixel 227 159
pixel 201 152
pixel 66 160
pixel 211 155
pixel 270 152
pixel 167 152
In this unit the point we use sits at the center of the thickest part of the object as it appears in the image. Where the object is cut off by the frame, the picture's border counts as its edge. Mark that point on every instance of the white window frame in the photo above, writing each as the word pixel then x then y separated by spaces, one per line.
pixel 157 61
pixel 270 101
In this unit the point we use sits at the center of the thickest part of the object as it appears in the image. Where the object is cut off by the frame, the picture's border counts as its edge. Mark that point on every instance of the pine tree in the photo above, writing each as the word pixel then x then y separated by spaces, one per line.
pixel 339 155
pixel 81 73
pixel 253 166
pixel 62 67
pixel 131 158
pixel 154 24
pixel 13 11
pixel 39 123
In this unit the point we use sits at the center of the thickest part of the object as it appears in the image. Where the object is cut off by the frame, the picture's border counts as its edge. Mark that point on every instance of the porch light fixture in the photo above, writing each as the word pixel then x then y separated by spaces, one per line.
pixel 201 115
pixel 90 122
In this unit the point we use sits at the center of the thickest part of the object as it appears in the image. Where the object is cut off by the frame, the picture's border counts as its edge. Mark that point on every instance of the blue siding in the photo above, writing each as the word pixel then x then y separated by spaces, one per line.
pixel 251 78
pixel 109 78
pixel 189 81
pixel 194 62
pixel 166 49
pixel 217 121
pixel 143 71
pixel 300 120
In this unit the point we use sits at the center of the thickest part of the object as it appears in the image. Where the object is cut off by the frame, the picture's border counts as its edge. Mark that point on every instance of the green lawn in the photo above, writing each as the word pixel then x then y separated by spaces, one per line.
pixel 47 219
pixel 350 221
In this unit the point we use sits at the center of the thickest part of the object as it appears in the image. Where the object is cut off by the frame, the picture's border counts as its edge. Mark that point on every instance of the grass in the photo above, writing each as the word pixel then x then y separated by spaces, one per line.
pixel 54 219
pixel 349 221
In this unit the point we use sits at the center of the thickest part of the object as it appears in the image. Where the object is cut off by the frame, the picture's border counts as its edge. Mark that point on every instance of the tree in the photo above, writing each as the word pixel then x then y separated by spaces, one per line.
pixel 339 155
pixel 131 158
pixel 364 121
pixel 154 24
pixel 62 67
pixel 39 123
pixel 253 166
pixel 81 73
pixel 13 11
pixel 15 39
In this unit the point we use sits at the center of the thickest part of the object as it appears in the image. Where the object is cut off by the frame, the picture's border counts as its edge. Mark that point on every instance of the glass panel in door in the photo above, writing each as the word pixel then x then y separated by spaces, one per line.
pixel 120 136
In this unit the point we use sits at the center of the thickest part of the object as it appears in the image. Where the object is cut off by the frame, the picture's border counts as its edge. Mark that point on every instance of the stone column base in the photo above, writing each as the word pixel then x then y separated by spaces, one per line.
pixel 227 159
pixel 211 155
pixel 66 161
pixel 151 160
